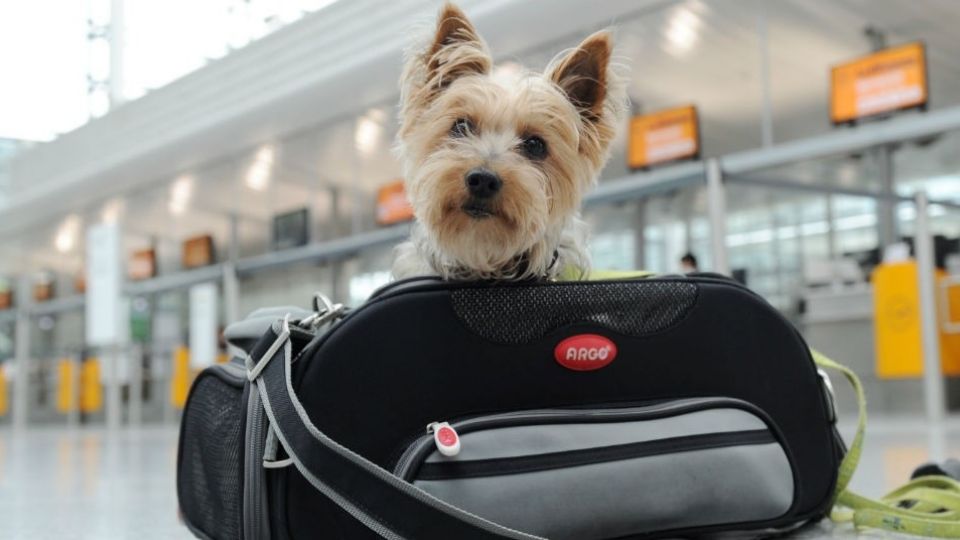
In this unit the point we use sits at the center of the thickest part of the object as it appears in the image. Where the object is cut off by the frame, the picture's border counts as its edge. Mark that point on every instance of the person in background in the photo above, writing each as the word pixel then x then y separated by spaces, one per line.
pixel 688 263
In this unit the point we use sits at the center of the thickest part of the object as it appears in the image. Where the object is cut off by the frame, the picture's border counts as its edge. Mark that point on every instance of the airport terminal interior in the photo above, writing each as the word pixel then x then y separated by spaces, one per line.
pixel 166 168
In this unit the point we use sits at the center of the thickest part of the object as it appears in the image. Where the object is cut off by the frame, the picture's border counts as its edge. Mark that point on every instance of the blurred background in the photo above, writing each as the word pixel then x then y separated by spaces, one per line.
pixel 167 167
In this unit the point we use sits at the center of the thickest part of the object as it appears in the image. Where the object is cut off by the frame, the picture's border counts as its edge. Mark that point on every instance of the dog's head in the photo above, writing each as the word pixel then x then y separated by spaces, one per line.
pixel 497 160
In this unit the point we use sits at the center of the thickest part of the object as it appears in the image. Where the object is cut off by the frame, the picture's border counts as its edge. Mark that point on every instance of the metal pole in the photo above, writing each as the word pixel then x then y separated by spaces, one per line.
pixel 933 391
pixel 110 362
pixel 763 43
pixel 886 205
pixel 73 413
pixel 135 403
pixel 831 234
pixel 231 285
pixel 717 212
pixel 21 345
pixel 117 38
pixel 639 238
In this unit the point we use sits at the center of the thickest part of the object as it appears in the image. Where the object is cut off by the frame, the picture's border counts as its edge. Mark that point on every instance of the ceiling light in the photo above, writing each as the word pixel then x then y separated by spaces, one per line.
pixel 258 176
pixel 111 211
pixel 368 131
pixel 180 193
pixel 66 238
pixel 683 31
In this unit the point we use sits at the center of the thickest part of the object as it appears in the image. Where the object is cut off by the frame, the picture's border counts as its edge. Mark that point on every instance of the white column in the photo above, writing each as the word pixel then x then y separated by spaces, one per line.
pixel 107 315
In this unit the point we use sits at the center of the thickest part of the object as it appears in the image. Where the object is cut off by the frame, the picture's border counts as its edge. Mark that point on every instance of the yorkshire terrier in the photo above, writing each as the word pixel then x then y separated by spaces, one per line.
pixel 496 162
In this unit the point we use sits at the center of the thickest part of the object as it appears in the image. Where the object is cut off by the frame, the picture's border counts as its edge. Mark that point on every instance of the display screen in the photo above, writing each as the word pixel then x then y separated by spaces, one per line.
pixel 663 136
pixel 143 265
pixel 291 229
pixel 392 204
pixel 885 81
pixel 198 251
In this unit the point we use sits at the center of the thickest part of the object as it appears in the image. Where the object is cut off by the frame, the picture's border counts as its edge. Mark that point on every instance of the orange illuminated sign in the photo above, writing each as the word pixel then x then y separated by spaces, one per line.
pixel 392 204
pixel 143 265
pixel 663 136
pixel 197 251
pixel 885 81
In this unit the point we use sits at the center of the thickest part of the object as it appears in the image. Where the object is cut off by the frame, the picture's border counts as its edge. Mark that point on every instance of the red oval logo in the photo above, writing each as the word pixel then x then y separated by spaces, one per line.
pixel 585 352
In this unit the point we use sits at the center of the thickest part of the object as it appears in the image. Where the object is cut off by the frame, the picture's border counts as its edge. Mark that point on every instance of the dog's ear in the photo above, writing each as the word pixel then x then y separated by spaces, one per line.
pixel 585 76
pixel 582 74
pixel 456 50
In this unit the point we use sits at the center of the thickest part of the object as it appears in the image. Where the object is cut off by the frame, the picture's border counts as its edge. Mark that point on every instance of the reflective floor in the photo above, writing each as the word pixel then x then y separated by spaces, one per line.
pixel 86 484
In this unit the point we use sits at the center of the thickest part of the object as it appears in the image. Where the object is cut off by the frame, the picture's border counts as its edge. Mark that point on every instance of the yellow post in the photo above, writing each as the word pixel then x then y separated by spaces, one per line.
pixel 4 406
pixel 91 392
pixel 180 380
pixel 66 393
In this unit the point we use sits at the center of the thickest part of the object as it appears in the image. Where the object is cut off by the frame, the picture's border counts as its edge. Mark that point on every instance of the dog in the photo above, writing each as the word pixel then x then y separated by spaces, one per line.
pixel 496 161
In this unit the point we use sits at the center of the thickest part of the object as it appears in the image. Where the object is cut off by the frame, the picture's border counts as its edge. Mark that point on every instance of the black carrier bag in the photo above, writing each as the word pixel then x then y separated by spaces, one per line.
pixel 643 408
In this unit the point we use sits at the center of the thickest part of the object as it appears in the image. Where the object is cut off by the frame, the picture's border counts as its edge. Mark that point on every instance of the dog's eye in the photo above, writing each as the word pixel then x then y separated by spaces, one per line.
pixel 461 127
pixel 534 147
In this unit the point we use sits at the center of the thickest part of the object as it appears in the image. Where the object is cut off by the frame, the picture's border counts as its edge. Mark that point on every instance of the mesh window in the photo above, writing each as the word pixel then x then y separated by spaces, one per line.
pixel 516 315
pixel 209 482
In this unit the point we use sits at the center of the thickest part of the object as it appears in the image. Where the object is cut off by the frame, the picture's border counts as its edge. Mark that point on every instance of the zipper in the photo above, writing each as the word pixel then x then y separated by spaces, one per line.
pixel 255 524
pixel 416 452
pixel 450 470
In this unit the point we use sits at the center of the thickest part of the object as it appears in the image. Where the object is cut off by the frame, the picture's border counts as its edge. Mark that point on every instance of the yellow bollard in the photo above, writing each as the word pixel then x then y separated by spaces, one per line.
pixel 91 392
pixel 180 380
pixel 66 389
pixel 4 407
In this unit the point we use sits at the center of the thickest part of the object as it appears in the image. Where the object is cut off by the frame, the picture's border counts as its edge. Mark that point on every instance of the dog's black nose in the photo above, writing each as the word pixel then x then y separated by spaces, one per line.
pixel 482 183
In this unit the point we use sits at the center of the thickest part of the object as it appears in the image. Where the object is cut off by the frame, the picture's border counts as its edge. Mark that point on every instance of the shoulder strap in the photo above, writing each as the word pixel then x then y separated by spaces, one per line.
pixel 389 506
pixel 926 506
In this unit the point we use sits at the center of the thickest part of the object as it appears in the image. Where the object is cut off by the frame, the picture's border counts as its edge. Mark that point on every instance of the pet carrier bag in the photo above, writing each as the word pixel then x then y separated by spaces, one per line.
pixel 634 408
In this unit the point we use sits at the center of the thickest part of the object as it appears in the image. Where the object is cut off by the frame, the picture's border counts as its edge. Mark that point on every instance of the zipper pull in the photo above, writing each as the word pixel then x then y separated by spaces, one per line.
pixel 445 437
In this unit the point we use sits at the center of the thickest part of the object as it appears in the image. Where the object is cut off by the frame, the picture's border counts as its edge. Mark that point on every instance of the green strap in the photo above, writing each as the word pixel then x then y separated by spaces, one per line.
pixel 926 506
pixel 569 273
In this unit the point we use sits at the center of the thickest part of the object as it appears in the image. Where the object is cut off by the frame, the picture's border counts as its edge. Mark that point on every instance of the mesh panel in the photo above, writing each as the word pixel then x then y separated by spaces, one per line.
pixel 209 483
pixel 515 315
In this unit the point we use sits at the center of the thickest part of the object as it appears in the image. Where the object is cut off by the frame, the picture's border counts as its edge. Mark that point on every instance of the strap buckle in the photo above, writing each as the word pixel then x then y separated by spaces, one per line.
pixel 324 311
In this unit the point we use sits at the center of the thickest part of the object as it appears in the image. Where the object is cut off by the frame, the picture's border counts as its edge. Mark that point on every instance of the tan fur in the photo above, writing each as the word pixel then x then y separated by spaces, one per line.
pixel 575 107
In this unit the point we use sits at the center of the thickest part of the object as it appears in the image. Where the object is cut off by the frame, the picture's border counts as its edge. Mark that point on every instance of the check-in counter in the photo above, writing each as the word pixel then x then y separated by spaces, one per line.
pixel 874 329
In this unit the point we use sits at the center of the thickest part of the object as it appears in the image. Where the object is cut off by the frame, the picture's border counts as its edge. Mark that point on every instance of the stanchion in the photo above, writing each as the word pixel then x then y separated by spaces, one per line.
pixel 933 391
pixel 717 211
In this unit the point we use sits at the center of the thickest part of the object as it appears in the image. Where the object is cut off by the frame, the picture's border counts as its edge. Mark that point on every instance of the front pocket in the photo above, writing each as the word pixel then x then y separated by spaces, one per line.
pixel 606 473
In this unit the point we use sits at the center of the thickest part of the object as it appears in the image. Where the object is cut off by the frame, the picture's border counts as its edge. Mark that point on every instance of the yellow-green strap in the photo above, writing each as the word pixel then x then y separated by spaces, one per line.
pixel 570 273
pixel 926 506
pixel 850 461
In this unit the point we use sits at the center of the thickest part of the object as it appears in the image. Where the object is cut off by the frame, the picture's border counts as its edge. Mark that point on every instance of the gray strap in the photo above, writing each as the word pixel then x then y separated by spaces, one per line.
pixel 390 506
pixel 270 460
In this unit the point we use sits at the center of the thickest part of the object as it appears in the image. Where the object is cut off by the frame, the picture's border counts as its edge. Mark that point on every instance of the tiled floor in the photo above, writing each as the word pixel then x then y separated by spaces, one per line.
pixel 87 484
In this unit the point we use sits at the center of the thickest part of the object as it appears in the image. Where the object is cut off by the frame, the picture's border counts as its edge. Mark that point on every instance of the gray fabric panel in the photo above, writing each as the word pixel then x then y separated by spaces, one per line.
pixel 537 439
pixel 258 322
pixel 608 500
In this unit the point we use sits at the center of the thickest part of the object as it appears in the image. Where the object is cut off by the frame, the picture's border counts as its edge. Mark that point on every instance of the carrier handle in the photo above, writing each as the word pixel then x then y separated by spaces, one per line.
pixel 389 506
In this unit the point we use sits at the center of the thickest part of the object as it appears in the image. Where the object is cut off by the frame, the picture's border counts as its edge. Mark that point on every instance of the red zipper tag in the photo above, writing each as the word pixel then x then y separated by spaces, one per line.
pixel 445 437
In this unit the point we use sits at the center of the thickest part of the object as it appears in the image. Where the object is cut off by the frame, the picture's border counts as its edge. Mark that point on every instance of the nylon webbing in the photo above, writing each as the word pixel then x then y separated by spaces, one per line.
pixel 389 506
pixel 926 506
